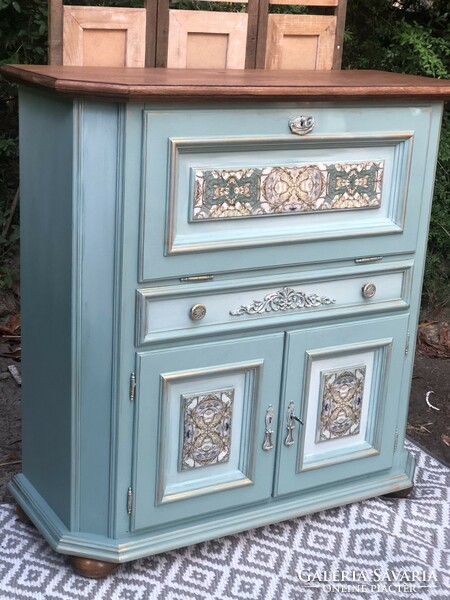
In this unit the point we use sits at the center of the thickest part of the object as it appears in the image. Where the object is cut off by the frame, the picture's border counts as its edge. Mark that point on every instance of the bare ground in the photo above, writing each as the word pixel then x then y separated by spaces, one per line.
pixel 428 423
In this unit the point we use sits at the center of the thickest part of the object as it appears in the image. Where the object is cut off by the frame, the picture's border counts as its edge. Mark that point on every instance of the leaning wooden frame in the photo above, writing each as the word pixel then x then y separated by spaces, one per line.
pixel 159 36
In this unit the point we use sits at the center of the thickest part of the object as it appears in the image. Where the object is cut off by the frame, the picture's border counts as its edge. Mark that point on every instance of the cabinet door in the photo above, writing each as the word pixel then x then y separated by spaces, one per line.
pixel 200 426
pixel 344 383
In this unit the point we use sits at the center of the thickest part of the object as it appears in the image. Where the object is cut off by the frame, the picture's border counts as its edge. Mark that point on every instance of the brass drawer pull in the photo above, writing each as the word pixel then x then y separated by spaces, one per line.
pixel 369 290
pixel 268 433
pixel 301 125
pixel 197 312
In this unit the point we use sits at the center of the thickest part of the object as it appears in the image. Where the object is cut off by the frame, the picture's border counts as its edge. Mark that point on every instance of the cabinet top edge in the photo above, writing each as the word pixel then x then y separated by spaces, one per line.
pixel 147 84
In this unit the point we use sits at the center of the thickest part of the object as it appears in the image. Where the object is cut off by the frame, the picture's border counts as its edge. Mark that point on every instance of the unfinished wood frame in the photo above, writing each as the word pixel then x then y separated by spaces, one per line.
pixel 96 36
pixel 209 40
pixel 100 36
pixel 274 41
pixel 203 39
pixel 279 41
pixel 300 42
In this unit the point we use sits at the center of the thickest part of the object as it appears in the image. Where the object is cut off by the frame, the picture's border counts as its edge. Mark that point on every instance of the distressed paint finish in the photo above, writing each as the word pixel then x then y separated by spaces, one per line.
pixel 82 433
pixel 206 429
pixel 229 139
pixel 164 492
pixel 252 192
pixel 310 462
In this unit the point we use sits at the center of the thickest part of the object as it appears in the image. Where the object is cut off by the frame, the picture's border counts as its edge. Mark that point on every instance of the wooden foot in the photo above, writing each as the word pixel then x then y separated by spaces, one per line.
pixel 400 493
pixel 22 515
pixel 95 569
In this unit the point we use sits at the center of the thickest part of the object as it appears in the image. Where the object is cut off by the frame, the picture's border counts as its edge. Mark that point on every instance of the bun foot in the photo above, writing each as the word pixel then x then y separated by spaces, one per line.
pixel 22 515
pixel 400 493
pixel 95 569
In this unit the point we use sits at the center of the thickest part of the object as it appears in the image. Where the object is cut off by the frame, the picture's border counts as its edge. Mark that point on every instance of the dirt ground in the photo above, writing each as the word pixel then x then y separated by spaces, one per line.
pixel 429 426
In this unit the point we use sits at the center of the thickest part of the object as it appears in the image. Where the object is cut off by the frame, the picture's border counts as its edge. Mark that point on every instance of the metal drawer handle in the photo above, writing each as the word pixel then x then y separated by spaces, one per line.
pixel 369 290
pixel 291 418
pixel 268 433
pixel 197 312
pixel 301 125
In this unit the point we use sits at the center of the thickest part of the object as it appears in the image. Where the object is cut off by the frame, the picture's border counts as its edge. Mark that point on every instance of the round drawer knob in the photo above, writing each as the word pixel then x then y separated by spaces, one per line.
pixel 197 312
pixel 368 291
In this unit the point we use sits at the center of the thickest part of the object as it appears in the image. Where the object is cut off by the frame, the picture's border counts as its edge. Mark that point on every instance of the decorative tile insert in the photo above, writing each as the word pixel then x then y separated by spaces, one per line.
pixel 206 429
pixel 341 402
pixel 253 192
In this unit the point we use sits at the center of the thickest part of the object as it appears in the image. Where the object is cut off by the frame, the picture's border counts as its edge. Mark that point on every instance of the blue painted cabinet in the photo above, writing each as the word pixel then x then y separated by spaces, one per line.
pixel 218 313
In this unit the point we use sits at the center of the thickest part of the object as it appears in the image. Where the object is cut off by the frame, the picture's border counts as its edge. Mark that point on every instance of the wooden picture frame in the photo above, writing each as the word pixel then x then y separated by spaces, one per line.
pixel 209 40
pixel 300 42
pixel 103 36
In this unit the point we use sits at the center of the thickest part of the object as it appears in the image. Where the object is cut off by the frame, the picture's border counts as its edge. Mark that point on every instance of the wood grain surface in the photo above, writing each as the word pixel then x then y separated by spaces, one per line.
pixel 125 84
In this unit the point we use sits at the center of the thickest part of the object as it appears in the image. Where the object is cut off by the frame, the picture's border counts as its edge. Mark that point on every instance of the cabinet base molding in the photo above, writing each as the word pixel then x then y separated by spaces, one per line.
pixel 22 515
pixel 138 545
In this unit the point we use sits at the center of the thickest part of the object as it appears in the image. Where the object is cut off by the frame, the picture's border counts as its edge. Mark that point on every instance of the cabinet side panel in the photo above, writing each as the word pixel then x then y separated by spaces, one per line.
pixel 99 197
pixel 46 126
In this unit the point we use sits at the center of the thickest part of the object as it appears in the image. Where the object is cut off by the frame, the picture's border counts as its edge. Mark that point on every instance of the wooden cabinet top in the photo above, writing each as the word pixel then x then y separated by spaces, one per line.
pixel 128 84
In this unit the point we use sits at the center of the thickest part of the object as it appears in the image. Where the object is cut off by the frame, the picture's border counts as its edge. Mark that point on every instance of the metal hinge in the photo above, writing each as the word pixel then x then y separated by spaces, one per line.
pixel 197 278
pixel 132 386
pixel 408 337
pixel 396 440
pixel 368 259
pixel 129 500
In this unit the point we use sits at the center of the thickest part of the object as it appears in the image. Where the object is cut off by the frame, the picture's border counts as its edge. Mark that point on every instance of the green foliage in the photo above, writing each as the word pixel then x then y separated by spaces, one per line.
pixel 411 37
pixel 23 31
pixel 437 268
pixel 23 39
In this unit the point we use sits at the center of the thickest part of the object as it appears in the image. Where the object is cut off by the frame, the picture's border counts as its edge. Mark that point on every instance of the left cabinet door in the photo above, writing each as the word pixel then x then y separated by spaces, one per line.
pixel 203 421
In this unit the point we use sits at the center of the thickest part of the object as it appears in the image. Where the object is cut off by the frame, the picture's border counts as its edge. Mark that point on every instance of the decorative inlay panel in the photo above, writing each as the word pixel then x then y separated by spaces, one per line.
pixel 206 429
pixel 341 403
pixel 253 192
pixel 282 300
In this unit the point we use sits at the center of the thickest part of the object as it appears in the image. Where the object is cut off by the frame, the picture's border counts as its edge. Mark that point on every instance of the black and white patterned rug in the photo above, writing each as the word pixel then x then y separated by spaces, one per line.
pixel 371 543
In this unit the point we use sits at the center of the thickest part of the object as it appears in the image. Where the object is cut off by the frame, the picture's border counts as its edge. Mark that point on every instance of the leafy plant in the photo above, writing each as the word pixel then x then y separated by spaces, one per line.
pixel 411 37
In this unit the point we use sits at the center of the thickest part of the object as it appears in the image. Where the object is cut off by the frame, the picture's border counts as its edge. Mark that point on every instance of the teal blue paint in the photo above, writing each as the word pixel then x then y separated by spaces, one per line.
pixel 383 335
pixel 46 265
pixel 98 193
pixel 158 427
pixel 282 239
pixel 94 209
pixel 193 531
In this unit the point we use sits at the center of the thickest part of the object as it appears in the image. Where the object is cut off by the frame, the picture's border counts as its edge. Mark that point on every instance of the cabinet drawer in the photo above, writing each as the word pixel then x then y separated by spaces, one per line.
pixel 204 309
pixel 237 189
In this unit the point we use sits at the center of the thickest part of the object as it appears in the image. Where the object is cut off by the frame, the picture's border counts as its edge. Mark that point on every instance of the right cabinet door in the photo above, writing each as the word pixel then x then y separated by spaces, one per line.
pixel 343 387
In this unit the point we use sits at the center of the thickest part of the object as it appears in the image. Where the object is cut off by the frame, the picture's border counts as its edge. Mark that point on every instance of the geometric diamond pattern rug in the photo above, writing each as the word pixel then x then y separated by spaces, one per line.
pixel 377 549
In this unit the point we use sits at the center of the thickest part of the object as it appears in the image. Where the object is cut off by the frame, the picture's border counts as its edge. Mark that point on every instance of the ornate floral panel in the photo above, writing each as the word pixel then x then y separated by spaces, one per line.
pixel 253 192
pixel 340 403
pixel 206 429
